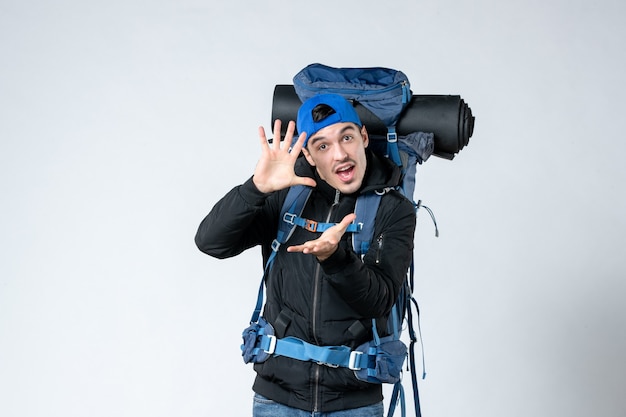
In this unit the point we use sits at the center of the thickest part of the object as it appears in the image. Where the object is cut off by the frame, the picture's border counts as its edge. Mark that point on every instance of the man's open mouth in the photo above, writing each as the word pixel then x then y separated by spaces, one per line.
pixel 346 173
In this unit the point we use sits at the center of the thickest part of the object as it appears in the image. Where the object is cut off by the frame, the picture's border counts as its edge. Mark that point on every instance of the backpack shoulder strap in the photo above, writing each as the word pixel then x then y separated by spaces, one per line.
pixel 293 205
pixel 365 209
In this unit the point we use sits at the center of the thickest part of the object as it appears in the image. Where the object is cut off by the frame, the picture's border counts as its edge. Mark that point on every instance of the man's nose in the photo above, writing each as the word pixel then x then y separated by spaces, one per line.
pixel 340 153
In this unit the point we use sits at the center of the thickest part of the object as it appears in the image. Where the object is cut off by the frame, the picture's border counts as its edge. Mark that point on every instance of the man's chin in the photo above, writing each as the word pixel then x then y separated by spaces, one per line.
pixel 348 188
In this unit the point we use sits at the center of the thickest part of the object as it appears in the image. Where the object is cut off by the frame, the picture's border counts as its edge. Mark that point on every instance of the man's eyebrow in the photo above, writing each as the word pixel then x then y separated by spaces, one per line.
pixel 315 139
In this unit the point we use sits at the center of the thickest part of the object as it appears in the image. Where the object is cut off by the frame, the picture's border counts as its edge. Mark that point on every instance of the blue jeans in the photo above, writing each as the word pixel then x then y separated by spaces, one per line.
pixel 264 407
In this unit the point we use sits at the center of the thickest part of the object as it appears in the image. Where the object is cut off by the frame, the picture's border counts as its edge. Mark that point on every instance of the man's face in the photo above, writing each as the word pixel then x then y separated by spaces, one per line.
pixel 338 153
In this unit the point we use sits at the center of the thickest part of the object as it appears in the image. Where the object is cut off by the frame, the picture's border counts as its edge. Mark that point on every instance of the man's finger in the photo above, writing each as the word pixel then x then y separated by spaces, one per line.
pixel 346 221
pixel 295 248
pixel 304 181
pixel 276 141
pixel 263 139
pixel 297 147
pixel 291 127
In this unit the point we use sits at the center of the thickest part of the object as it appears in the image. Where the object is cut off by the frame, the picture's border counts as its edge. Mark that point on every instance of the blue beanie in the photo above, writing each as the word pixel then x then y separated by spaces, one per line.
pixel 344 112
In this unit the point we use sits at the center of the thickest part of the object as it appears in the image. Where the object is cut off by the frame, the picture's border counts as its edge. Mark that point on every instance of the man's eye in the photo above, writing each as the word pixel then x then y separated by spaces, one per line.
pixel 322 147
pixel 347 138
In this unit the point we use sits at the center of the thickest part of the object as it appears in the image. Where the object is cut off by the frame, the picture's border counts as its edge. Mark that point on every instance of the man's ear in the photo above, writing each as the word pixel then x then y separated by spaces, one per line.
pixel 308 157
pixel 366 138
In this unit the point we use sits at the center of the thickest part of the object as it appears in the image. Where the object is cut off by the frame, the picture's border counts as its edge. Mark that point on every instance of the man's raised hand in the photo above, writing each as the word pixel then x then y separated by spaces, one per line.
pixel 275 169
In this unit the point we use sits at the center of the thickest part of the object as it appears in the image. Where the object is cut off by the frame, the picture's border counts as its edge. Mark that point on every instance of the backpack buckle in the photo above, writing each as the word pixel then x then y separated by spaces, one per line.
pixel 272 347
pixel 354 357
pixel 330 365
pixel 289 218
pixel 310 225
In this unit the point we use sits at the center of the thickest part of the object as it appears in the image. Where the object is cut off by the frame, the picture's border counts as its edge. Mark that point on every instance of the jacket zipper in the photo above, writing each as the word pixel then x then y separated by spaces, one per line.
pixel 316 292
pixel 379 242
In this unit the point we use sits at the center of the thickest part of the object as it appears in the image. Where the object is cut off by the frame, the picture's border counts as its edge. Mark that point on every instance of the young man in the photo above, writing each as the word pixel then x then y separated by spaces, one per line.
pixel 318 289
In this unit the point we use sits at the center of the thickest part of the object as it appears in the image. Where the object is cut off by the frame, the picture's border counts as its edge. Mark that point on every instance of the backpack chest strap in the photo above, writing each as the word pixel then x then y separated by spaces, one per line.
pixel 314 226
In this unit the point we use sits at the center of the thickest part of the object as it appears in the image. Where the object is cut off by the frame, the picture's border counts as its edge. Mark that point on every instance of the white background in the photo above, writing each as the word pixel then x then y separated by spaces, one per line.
pixel 122 122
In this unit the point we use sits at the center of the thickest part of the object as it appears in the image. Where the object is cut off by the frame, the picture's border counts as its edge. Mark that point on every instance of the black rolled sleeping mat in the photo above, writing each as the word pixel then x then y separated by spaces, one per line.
pixel 448 117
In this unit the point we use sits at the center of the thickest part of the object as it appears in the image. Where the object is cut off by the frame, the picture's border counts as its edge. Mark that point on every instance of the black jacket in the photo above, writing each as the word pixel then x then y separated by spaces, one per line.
pixel 325 303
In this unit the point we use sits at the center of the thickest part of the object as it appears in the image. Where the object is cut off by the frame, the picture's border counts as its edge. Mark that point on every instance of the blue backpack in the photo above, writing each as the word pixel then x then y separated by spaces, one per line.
pixel 385 93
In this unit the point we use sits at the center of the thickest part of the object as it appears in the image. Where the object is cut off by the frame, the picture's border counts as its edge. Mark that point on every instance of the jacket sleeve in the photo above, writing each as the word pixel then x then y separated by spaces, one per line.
pixel 243 218
pixel 371 286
